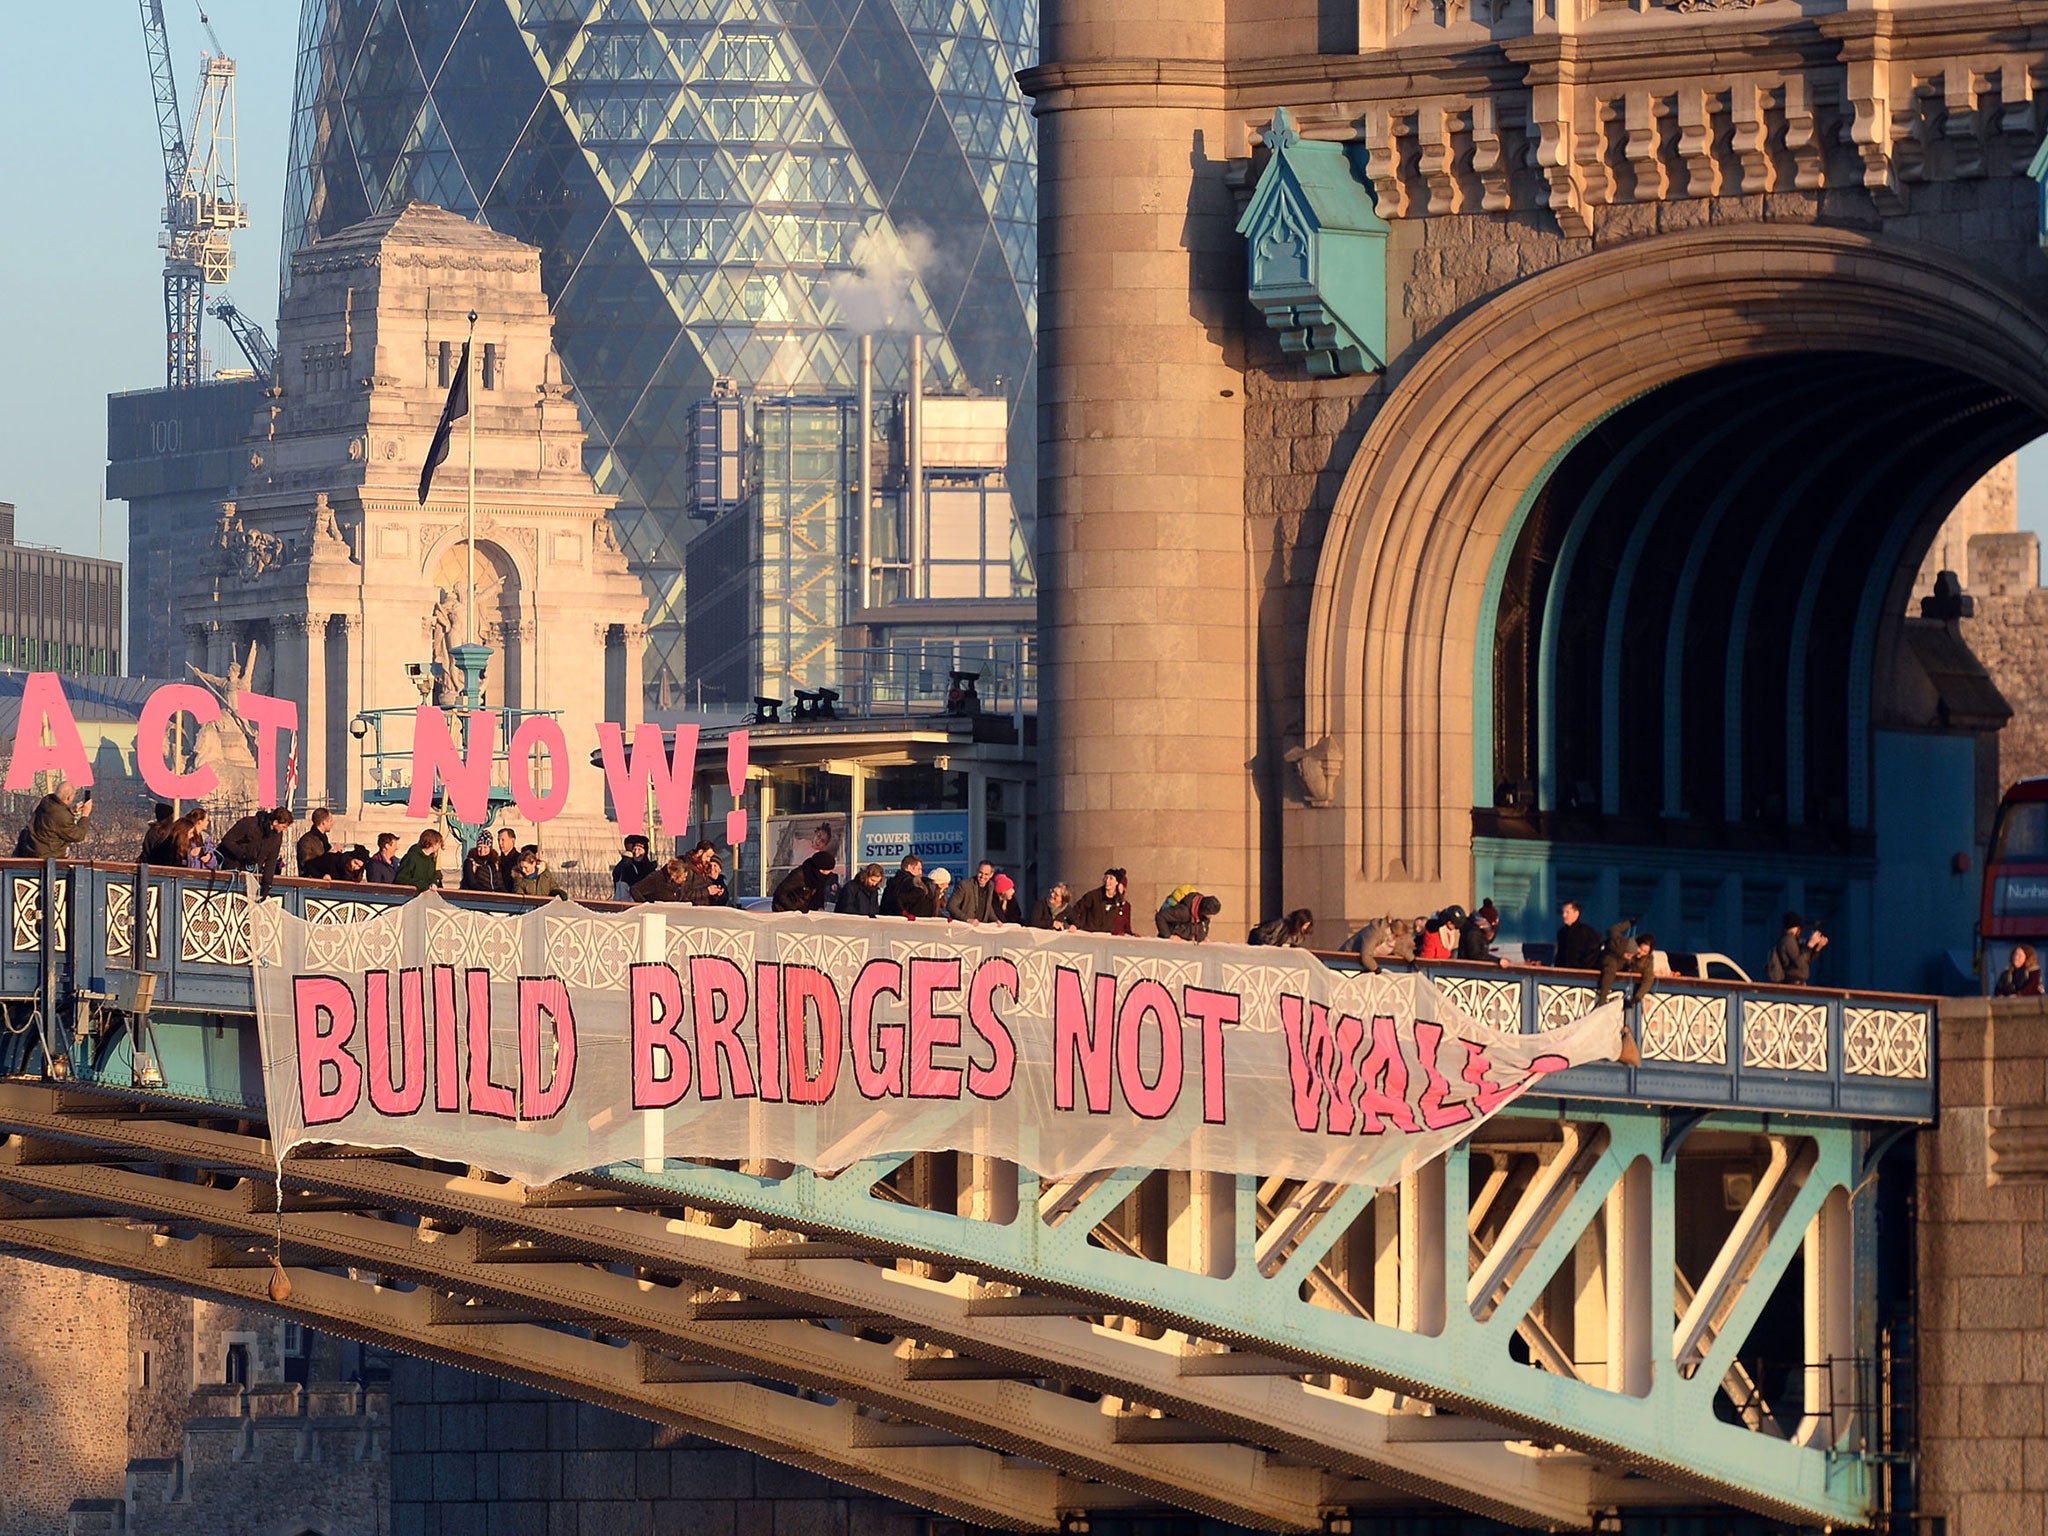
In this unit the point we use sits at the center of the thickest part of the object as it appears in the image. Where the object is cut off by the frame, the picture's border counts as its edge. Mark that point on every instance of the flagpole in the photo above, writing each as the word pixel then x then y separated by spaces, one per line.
pixel 469 514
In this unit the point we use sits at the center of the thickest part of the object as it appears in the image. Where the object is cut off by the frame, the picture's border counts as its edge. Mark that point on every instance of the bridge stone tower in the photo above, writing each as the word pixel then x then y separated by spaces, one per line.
pixel 328 565
pixel 1536 511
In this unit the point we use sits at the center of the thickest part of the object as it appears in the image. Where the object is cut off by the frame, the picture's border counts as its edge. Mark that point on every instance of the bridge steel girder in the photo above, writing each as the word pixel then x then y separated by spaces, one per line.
pixel 1344 1436
pixel 1015 1418
pixel 965 1481
pixel 1662 1428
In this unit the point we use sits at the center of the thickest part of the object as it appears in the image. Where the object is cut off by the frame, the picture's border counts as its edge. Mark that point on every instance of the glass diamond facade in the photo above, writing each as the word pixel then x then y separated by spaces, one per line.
pixel 719 189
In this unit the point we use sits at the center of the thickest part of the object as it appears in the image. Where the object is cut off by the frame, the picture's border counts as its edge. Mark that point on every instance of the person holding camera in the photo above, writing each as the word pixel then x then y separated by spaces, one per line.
pixel 1792 957
pixel 58 825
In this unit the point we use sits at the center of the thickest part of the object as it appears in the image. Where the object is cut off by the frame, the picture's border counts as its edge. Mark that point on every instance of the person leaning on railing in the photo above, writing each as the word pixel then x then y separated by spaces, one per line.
pixel 257 842
pixel 421 866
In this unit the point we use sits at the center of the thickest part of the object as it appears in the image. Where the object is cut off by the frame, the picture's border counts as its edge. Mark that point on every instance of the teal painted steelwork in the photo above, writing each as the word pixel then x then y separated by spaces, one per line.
pixel 1761 550
pixel 1601 1147
pixel 1734 428
pixel 1489 609
pixel 1929 485
pixel 1560 591
pixel 1318 253
pixel 1668 1427
pixel 1701 540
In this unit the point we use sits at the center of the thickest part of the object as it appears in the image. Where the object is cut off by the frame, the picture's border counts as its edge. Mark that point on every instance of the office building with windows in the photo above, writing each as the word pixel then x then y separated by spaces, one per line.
pixel 726 194
pixel 59 612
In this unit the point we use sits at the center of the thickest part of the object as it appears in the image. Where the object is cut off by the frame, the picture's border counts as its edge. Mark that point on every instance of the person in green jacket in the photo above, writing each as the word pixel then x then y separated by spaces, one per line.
pixel 421 866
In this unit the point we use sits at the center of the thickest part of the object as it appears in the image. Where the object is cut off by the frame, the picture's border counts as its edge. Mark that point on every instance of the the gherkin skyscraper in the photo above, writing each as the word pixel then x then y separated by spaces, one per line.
pixel 715 186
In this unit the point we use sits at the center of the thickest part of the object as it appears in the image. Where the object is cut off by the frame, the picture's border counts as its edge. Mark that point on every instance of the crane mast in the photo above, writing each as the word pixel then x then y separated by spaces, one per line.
pixel 201 208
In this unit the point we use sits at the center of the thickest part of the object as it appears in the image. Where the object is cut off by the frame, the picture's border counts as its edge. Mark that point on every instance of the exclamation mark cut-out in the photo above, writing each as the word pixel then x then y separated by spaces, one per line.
pixel 736 781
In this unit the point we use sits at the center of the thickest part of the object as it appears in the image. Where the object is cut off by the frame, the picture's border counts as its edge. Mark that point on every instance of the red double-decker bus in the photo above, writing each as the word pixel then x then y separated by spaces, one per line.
pixel 2015 901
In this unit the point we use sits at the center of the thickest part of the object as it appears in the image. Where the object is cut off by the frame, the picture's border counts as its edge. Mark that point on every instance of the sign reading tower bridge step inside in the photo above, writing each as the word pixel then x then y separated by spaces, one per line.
pixel 939 838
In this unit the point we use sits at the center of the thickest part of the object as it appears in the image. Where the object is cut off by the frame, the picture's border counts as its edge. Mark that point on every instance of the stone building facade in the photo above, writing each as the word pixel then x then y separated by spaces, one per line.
pixel 1983 1270
pixel 1285 545
pixel 328 578
pixel 2008 629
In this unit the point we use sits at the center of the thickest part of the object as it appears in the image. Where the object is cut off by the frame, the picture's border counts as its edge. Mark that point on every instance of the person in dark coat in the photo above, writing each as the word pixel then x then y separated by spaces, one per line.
pixel 1291 931
pixel 1475 941
pixel 2021 978
pixel 186 846
pixel 421 866
pixel 1187 920
pixel 57 825
pixel 907 894
pixel 633 867
pixel 862 895
pixel 1051 911
pixel 1627 956
pixel 314 843
pixel 157 835
pixel 480 871
pixel 383 868
pixel 1578 943
pixel 1791 959
pixel 347 864
pixel 971 899
pixel 257 842
pixel 804 888
pixel 1105 909
pixel 665 882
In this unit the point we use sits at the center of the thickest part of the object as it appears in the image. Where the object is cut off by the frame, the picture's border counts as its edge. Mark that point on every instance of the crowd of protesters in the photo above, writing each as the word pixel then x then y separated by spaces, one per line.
pixel 501 863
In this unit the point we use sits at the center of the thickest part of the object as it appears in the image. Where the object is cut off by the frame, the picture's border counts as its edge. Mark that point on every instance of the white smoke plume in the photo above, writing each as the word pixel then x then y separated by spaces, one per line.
pixel 878 295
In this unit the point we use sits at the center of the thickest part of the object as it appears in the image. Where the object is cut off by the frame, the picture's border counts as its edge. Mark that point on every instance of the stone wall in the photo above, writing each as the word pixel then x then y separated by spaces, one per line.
pixel 276 1458
pixel 474 1456
pixel 1983 1235
pixel 2009 633
pixel 63 1392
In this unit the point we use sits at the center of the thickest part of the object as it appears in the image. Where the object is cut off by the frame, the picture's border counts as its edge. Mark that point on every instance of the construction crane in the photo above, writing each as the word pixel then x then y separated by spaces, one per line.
pixel 249 336
pixel 201 209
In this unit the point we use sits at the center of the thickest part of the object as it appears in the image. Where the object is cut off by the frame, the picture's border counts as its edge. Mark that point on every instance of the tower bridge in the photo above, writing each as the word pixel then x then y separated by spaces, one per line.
pixel 1670 1286
pixel 1512 430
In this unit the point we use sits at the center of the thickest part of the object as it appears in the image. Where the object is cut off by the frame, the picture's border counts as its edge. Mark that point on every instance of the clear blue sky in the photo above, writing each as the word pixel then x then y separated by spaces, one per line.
pixel 81 301
pixel 81 277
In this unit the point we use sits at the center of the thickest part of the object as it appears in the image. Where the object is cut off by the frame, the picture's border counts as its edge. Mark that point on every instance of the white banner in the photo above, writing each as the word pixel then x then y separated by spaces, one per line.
pixel 561 1040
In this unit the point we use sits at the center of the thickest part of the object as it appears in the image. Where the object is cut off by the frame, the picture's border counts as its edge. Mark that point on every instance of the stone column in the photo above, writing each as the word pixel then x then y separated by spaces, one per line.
pixel 633 637
pixel 300 666
pixel 1145 612
pixel 348 782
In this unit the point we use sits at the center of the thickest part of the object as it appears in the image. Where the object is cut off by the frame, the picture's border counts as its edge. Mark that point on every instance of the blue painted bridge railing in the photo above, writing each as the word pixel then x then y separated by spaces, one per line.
pixel 71 934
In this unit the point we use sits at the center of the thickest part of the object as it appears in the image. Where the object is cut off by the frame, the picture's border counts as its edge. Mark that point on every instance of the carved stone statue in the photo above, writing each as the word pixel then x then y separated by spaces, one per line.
pixel 323 529
pixel 447 624
pixel 245 553
pixel 227 744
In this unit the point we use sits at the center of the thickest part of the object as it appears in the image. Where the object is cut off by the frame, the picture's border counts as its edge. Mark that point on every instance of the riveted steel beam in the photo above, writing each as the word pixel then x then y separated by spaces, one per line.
pixel 962 1480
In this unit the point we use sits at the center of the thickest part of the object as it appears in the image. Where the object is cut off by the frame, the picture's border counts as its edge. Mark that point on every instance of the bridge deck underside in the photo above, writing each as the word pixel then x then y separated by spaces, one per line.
pixel 1547 1324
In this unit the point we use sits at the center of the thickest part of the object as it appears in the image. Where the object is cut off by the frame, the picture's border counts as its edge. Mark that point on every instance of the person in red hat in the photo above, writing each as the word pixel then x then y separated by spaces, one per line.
pixel 1002 902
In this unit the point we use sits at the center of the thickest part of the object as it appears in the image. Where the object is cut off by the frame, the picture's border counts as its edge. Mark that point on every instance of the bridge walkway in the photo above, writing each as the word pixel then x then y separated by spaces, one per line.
pixel 1656 1287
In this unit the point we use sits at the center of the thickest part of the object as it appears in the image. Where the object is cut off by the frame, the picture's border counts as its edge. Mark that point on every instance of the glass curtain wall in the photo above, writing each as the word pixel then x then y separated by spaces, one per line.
pixel 720 189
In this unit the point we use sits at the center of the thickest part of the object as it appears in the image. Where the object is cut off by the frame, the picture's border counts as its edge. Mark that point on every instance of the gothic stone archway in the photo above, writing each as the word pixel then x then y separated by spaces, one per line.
pixel 1474 425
